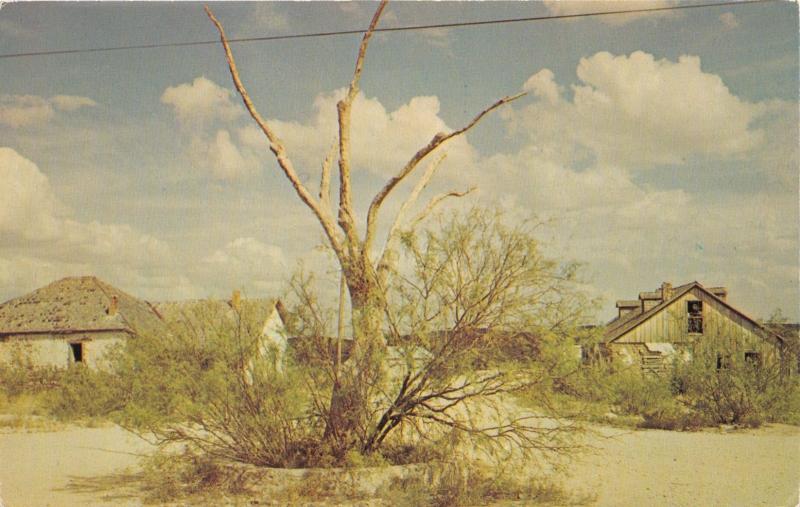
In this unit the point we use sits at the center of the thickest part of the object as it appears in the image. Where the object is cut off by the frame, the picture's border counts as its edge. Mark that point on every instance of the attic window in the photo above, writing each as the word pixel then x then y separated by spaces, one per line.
pixel 695 311
pixel 77 352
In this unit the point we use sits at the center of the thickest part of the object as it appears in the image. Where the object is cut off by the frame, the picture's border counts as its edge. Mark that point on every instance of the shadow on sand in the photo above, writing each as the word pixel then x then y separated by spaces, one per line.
pixel 111 487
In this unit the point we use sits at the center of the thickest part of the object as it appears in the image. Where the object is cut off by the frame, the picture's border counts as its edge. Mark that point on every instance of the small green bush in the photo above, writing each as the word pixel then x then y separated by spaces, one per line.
pixel 214 385
pixel 674 418
pixel 167 476
pixel 85 393
pixel 21 376
pixel 784 406
pixel 641 394
pixel 421 452
pixel 740 392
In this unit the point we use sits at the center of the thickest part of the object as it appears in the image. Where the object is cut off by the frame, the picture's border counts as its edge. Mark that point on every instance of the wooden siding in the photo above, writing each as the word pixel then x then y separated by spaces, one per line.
pixel 725 327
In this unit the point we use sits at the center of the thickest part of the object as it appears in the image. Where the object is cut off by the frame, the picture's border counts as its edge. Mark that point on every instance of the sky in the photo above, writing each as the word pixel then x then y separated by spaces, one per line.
pixel 657 147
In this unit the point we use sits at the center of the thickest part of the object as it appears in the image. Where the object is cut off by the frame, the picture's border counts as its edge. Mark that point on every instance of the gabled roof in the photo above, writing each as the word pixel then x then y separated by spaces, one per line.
pixel 617 322
pixel 618 327
pixel 77 304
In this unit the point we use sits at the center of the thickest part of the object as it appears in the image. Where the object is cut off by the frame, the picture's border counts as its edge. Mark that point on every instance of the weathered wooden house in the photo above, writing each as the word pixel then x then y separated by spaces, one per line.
pixel 73 320
pixel 666 324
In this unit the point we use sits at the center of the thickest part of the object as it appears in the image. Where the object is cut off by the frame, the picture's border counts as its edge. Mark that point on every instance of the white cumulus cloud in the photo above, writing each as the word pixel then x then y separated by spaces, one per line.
pixel 29 110
pixel 267 16
pixel 637 111
pixel 382 141
pixel 222 157
pixel 200 102
pixel 32 219
pixel 28 205
pixel 71 102
pixel 543 85
pixel 247 263
pixel 202 107
pixel 23 110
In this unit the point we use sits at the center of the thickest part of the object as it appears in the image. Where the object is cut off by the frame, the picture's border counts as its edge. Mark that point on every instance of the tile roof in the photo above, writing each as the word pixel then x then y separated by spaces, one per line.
pixel 77 304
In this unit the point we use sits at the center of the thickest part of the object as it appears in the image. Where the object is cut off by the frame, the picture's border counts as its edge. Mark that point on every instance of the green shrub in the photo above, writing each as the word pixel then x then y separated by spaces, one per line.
pixel 784 406
pixel 21 376
pixel 215 386
pixel 696 394
pixel 167 476
pixel 420 452
pixel 85 393
pixel 737 391
pixel 46 391
pixel 674 417
pixel 590 383
pixel 640 394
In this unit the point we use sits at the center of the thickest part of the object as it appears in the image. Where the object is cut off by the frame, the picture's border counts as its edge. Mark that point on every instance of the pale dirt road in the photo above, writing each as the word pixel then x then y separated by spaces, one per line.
pixel 85 466
pixel 743 468
pixel 72 467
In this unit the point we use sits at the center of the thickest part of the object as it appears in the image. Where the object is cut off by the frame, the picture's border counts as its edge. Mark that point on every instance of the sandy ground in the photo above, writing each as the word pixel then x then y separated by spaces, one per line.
pixel 87 466
pixel 744 468
pixel 72 467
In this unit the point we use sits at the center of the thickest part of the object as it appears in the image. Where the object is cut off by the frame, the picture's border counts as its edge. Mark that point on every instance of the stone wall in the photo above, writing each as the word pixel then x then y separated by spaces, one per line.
pixel 60 350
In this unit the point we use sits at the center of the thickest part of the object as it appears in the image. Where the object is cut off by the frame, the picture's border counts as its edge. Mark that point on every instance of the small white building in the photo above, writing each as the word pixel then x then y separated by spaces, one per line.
pixel 72 320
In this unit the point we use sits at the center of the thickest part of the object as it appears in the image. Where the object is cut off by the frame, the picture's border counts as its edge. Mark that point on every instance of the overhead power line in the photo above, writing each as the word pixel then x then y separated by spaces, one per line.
pixel 388 29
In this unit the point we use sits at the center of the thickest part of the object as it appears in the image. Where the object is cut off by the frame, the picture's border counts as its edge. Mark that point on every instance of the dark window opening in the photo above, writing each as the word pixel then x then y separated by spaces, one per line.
pixel 753 358
pixel 77 352
pixel 695 312
pixel 723 361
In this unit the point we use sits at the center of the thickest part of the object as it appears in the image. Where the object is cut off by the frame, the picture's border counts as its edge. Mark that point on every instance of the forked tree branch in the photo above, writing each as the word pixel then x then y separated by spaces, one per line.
pixel 394 230
pixel 344 109
pixel 275 144
pixel 435 202
pixel 438 140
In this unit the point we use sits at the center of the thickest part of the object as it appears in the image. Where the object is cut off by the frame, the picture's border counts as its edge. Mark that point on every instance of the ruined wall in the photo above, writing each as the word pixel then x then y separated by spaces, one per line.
pixel 60 350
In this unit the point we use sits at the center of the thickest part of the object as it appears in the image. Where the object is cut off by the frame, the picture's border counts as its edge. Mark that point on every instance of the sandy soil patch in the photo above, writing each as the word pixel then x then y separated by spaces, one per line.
pixel 92 466
pixel 72 467
pixel 745 468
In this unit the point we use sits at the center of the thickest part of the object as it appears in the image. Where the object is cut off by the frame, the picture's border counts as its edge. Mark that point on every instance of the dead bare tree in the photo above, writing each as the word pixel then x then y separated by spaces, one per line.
pixel 365 272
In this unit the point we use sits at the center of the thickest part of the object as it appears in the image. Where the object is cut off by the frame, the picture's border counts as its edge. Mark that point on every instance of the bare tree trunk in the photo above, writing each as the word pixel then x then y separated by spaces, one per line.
pixel 350 413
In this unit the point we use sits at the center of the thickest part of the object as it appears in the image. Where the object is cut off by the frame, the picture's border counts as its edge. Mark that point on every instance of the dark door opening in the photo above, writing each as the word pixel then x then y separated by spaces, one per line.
pixel 77 352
